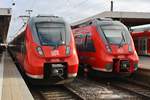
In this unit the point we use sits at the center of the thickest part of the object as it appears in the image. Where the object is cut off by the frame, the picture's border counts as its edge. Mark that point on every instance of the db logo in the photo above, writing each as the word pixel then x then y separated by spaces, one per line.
pixel 55 53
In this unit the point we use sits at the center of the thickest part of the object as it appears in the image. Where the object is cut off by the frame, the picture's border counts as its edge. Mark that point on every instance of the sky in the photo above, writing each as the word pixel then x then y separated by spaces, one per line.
pixel 71 10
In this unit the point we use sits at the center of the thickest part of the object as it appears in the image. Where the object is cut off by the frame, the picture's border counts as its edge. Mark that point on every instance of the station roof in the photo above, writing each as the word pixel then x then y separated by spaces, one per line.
pixel 5 16
pixel 128 18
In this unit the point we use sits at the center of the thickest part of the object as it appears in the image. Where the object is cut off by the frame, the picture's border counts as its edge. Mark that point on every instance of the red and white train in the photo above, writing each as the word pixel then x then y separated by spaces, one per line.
pixel 142 41
pixel 45 49
pixel 105 45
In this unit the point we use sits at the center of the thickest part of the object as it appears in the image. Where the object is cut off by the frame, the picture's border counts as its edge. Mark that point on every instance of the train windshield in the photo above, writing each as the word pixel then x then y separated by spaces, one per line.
pixel 50 33
pixel 115 34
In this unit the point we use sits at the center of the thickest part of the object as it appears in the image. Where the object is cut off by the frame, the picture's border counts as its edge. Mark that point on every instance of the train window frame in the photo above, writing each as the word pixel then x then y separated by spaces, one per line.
pixel 144 41
pixel 117 23
pixel 52 26
pixel 122 35
pixel 36 39
pixel 142 49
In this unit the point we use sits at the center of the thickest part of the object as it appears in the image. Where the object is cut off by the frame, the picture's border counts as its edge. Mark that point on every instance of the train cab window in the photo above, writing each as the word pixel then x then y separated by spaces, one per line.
pixel 51 33
pixel 114 34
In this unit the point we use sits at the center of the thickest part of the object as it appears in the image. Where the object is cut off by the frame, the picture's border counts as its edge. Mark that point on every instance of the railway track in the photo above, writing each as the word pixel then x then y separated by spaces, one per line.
pixel 55 93
pixel 91 90
pixel 133 86
pixel 80 89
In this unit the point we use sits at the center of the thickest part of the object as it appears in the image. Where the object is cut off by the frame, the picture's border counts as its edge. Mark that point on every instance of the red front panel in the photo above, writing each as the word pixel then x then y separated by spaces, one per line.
pixel 101 58
pixel 33 62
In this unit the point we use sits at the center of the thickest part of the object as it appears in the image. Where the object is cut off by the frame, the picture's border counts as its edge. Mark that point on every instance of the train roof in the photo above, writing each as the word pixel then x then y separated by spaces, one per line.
pixel 42 18
pixel 5 17
pixel 141 34
pixel 39 18
pixel 98 21
pixel 128 18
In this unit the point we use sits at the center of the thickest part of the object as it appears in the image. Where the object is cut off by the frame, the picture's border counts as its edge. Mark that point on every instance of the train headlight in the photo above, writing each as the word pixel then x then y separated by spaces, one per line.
pixel 40 51
pixel 67 50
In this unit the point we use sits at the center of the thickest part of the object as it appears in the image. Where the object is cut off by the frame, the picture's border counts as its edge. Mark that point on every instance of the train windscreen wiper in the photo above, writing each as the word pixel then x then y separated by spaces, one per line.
pixel 62 42
pixel 122 40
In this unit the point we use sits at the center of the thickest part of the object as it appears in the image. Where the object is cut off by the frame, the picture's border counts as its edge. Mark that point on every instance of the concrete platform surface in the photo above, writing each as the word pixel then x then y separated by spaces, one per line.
pixel 12 86
pixel 144 62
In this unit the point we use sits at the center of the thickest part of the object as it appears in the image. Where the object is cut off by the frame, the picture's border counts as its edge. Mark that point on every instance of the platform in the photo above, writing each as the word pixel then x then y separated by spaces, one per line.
pixel 144 62
pixel 12 86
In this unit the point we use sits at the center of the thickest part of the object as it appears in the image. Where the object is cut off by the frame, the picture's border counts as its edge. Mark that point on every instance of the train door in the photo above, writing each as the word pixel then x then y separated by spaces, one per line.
pixel 143 46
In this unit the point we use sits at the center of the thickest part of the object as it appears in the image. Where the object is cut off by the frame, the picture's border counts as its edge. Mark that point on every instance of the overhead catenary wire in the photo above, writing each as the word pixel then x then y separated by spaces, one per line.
pixel 73 7
pixel 25 19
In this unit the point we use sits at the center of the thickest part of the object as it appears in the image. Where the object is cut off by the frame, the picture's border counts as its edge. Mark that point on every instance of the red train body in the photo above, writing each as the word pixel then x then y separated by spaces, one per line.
pixel 46 50
pixel 142 40
pixel 105 46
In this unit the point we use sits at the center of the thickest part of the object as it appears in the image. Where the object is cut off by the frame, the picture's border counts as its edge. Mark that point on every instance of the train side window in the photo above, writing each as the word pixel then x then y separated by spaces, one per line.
pixel 23 46
pixel 136 44
pixel 148 46
pixel 89 44
pixel 20 42
pixel 80 38
pixel 144 44
pixel 140 47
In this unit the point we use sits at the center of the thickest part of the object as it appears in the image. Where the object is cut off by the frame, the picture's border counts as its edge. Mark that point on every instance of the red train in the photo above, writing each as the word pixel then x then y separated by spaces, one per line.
pixel 142 40
pixel 105 45
pixel 45 49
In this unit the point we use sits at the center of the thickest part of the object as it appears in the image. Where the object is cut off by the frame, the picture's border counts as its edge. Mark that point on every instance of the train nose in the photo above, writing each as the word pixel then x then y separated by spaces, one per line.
pixel 122 65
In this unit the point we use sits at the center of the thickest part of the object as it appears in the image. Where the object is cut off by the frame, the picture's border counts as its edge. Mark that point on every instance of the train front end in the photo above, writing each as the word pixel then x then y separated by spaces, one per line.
pixel 120 54
pixel 51 53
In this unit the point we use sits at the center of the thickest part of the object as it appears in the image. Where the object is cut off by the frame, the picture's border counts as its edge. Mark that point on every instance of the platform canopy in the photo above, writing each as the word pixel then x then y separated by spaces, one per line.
pixel 5 16
pixel 128 18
